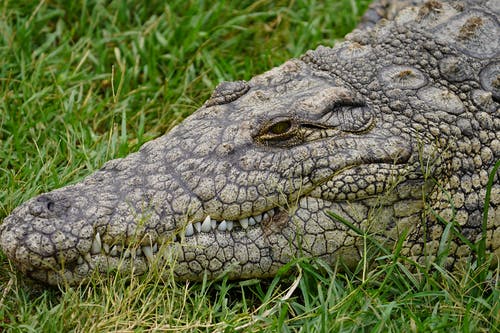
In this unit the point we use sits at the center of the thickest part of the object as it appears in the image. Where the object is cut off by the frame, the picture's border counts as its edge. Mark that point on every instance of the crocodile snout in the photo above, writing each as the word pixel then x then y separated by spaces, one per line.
pixel 37 236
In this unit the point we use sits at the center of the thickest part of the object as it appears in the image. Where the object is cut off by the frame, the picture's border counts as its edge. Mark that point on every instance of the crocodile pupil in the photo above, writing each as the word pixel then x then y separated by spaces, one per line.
pixel 281 127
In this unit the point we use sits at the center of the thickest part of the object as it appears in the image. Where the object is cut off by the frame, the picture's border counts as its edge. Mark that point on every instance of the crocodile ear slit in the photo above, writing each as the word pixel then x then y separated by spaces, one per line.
pixel 227 92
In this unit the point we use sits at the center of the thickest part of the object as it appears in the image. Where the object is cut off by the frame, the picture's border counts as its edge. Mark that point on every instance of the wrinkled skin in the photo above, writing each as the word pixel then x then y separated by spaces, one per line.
pixel 382 130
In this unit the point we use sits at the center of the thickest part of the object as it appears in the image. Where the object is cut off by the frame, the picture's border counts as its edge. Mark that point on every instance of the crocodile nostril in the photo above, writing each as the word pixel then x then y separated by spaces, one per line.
pixel 42 206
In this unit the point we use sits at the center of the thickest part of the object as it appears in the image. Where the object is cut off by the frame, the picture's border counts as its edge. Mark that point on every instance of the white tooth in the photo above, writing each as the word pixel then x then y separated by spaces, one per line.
pixel 229 225
pixel 113 252
pixel 265 217
pixel 197 226
pixel 251 221
pixel 258 218
pixel 96 244
pixel 87 258
pixel 222 226
pixel 126 253
pixel 189 230
pixel 106 248
pixel 148 252
pixel 155 247
pixel 79 260
pixel 214 224
pixel 244 221
pixel 207 225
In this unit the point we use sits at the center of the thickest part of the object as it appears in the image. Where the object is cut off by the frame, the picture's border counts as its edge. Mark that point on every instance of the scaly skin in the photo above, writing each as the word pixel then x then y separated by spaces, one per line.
pixel 388 129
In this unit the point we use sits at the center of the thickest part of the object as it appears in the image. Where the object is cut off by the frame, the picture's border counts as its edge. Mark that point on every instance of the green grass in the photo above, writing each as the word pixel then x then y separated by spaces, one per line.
pixel 83 82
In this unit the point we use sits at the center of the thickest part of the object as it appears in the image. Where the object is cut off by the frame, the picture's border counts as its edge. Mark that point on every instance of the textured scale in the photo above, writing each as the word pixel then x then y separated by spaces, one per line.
pixel 394 126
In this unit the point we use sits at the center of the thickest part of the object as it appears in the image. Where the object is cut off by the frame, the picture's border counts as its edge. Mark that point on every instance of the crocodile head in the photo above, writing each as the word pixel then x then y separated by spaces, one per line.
pixel 245 183
pixel 241 186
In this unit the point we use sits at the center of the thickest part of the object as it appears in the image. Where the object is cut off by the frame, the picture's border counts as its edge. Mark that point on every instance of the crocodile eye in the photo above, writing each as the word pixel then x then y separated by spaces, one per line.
pixel 280 127
pixel 278 130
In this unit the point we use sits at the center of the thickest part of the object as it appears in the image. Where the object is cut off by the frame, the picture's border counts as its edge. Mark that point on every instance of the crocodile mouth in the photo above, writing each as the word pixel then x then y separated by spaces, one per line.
pixel 192 230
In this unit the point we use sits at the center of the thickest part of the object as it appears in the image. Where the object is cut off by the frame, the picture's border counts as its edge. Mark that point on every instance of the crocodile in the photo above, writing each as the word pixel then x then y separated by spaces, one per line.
pixel 394 131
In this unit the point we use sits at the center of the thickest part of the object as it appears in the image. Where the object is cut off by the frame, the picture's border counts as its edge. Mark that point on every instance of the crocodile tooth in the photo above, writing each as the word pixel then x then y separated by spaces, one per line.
pixel 222 226
pixel 197 226
pixel 207 224
pixel 244 221
pixel 214 224
pixel 251 221
pixel 79 260
pixel 96 244
pixel 258 218
pixel 271 212
pixel 106 248
pixel 113 251
pixel 87 258
pixel 229 225
pixel 148 252
pixel 265 217
pixel 189 230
